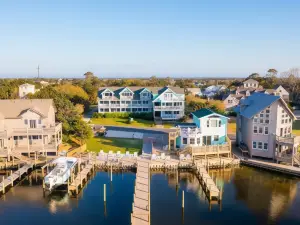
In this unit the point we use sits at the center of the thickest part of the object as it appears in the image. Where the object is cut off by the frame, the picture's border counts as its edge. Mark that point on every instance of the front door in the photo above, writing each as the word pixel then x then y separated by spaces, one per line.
pixel 208 140
pixel 32 123
pixel 281 132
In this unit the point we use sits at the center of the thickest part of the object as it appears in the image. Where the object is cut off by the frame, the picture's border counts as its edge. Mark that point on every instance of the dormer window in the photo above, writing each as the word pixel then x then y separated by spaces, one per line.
pixel 26 121
pixel 107 94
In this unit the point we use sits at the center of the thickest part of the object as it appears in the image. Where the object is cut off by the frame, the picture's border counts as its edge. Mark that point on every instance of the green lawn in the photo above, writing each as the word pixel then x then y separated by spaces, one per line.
pixel 123 122
pixel 296 127
pixel 95 144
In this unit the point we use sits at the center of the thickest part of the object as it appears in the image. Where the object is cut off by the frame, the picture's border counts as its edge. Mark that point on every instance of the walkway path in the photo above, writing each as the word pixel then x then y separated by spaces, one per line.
pixel 141 203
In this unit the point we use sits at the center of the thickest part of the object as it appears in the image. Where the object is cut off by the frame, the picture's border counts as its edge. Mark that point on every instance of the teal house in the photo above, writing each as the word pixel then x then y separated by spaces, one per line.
pixel 208 128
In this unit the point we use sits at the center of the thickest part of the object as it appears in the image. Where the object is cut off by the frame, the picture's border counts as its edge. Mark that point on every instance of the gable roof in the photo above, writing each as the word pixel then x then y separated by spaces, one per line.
pixel 15 108
pixel 205 112
pixel 250 81
pixel 257 102
pixel 155 91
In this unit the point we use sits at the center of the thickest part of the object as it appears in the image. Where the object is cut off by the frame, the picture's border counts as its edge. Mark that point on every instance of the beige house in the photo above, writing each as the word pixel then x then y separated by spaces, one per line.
pixel 25 89
pixel 279 91
pixel 232 100
pixel 251 83
pixel 264 128
pixel 28 127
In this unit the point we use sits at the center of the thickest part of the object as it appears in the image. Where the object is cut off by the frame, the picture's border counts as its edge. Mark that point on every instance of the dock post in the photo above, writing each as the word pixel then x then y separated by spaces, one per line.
pixel 110 172
pixel 104 192
pixel 182 200
pixel 20 175
pixel 3 187
pixel 11 179
pixel 223 165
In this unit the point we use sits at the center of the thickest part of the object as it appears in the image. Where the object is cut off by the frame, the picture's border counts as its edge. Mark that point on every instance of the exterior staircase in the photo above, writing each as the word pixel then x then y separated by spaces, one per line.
pixel 297 159
pixel 22 158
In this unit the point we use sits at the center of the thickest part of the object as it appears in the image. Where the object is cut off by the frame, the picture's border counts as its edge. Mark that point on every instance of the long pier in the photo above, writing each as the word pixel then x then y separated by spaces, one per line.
pixel 17 175
pixel 141 205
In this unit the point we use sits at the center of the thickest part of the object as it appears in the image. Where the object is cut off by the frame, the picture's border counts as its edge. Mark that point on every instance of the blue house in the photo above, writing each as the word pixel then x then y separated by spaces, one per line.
pixel 208 128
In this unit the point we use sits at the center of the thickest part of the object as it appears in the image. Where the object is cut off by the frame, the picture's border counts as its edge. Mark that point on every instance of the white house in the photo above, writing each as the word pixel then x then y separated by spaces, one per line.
pixel 194 91
pixel 213 90
pixel 279 91
pixel 28 126
pixel 208 128
pixel 165 103
pixel 264 127
pixel 25 89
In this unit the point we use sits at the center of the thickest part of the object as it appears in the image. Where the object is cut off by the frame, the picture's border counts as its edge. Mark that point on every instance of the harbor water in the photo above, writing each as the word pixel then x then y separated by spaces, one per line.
pixel 250 196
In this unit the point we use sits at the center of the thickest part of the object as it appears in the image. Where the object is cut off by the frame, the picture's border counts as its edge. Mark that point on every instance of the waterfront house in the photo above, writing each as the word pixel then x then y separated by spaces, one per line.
pixel 166 103
pixel 208 128
pixel 25 89
pixel 28 126
pixel 264 128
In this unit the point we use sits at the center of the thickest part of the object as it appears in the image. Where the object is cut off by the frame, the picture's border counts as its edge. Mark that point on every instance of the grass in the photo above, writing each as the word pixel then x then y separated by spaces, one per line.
pixel 123 122
pixel 95 144
pixel 296 128
pixel 231 128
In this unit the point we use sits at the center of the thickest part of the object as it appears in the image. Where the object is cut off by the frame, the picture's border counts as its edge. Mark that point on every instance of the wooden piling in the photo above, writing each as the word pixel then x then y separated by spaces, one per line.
pixel 3 187
pixel 104 192
pixel 182 199
pixel 11 179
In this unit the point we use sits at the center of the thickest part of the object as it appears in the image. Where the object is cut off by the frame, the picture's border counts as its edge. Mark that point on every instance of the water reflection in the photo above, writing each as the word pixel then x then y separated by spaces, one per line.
pixel 268 195
pixel 250 197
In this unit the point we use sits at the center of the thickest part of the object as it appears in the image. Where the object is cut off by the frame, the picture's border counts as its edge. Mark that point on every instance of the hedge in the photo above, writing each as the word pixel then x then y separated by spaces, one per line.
pixel 124 115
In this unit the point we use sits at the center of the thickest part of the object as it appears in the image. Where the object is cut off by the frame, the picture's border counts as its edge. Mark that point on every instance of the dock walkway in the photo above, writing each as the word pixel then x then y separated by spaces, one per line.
pixel 9 181
pixel 141 203
pixel 81 178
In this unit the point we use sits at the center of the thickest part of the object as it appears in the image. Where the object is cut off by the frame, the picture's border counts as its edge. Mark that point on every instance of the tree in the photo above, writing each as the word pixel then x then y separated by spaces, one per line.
pixel 271 73
pixel 66 113
pixel 291 80
pixel 88 75
pixel 253 76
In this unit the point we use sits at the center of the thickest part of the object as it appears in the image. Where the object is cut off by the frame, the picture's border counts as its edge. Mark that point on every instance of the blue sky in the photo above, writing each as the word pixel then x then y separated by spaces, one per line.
pixel 135 38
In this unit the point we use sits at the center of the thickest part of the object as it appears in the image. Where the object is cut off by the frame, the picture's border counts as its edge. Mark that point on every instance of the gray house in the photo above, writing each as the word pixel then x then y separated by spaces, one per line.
pixel 264 126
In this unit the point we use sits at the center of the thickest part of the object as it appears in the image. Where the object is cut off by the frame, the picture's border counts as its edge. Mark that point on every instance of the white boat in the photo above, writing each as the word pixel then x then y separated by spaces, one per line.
pixel 61 172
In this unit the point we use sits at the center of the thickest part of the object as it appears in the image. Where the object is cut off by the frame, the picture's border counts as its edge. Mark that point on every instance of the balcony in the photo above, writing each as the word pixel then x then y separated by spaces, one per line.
pixel 190 132
pixel 168 108
pixel 289 140
pixel 37 131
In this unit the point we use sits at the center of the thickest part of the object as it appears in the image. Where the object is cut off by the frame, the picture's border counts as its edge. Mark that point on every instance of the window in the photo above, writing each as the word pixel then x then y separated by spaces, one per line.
pixel 168 112
pixel 229 101
pixel 207 123
pixel 267 115
pixel 255 129
pixel 254 145
pixel 220 123
pixel 282 121
pixel 216 138
pixel 259 145
pixel 261 115
pixel 198 141
pixel 145 110
pixel 282 111
pixel 122 102
pixel 266 130
pixel 176 112
pixel 255 120
pixel 260 130
pixel 26 121
pixel 40 121
pixel 267 110
pixel 123 109
pixel 261 121
pixel 184 140
pixel 265 146
pixel 286 120
pixel 145 102
pixel 267 121
pixel 192 141
pixel 169 104
pixel 213 123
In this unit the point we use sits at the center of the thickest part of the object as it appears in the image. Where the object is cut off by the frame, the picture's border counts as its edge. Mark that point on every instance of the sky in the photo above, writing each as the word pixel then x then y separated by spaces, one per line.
pixel 141 38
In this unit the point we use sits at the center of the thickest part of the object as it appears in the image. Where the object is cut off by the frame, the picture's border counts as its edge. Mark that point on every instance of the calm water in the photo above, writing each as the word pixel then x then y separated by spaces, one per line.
pixel 250 197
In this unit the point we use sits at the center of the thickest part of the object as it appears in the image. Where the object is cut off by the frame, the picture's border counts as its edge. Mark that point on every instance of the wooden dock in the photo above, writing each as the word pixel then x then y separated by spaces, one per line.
pixel 81 178
pixel 208 185
pixel 141 204
pixel 14 176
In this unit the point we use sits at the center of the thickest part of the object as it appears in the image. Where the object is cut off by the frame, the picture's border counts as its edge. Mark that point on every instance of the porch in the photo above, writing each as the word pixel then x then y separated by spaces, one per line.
pixel 287 149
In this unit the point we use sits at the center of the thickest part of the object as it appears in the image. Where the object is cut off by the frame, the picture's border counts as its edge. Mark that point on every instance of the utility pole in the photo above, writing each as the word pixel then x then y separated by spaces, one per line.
pixel 38 70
